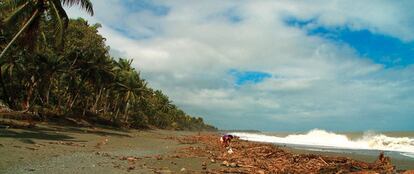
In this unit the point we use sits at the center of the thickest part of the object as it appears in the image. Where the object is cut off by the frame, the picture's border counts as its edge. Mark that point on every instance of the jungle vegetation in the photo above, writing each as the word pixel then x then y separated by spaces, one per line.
pixel 53 65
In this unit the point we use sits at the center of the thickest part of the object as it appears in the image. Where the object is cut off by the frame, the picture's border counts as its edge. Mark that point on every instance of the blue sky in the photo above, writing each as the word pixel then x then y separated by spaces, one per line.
pixel 145 5
pixel 246 77
pixel 380 48
pixel 272 65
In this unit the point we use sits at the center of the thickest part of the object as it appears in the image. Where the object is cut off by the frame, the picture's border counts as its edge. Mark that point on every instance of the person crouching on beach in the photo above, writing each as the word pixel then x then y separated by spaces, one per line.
pixel 225 140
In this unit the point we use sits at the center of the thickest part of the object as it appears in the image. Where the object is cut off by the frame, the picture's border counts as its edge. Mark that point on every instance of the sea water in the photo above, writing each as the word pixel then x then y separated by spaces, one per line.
pixel 398 145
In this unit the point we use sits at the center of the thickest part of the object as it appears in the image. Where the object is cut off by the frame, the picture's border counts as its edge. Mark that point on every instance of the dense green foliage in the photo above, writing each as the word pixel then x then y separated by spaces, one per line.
pixel 78 78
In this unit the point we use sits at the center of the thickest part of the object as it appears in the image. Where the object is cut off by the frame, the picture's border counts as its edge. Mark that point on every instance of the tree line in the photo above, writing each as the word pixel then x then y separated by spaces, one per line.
pixel 61 66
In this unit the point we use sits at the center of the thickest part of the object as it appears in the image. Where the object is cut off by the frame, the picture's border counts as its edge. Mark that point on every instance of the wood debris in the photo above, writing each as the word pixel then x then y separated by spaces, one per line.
pixel 250 157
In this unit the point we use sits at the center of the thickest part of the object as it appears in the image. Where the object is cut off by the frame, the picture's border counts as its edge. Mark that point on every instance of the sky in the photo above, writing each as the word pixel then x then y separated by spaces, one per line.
pixel 272 65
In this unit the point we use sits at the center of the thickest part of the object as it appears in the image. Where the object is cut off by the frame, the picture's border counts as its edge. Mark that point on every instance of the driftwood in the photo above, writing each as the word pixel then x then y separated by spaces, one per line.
pixel 250 157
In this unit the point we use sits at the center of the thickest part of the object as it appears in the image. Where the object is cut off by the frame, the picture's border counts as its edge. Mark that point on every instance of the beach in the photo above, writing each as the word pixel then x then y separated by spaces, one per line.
pixel 50 148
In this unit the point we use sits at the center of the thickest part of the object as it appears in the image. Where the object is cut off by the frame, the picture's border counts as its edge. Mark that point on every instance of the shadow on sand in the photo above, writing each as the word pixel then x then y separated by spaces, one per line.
pixel 54 131
pixel 26 136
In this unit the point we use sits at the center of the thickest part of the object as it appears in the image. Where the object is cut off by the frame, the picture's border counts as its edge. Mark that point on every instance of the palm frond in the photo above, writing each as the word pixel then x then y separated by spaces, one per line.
pixel 43 38
pixel 85 4
pixel 17 13
pixel 8 5
pixel 61 20
pixel 61 12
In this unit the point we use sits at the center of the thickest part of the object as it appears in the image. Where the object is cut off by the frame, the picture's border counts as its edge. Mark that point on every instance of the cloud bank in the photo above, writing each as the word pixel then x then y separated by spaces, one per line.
pixel 191 49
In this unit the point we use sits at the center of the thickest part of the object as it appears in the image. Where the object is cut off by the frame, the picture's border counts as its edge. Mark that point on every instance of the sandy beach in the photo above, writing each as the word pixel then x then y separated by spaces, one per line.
pixel 56 149
pixel 52 148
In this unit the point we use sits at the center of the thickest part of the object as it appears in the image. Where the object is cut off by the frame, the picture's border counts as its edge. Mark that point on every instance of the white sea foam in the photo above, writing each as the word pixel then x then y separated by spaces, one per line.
pixel 322 138
pixel 411 155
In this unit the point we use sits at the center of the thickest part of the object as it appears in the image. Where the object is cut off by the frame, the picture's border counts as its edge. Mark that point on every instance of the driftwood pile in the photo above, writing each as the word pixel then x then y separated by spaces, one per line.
pixel 250 157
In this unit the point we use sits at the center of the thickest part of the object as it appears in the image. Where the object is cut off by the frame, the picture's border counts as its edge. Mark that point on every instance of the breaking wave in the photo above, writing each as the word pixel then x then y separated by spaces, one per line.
pixel 322 138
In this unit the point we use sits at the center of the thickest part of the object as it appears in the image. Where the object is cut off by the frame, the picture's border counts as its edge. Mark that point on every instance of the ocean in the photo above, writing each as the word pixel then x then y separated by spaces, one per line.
pixel 364 146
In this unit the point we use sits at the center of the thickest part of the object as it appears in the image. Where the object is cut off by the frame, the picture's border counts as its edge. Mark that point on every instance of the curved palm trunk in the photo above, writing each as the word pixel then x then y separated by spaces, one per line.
pixel 19 33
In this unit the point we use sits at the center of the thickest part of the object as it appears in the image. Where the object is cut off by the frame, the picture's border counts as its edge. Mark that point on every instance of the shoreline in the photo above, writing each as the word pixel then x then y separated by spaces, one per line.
pixel 50 148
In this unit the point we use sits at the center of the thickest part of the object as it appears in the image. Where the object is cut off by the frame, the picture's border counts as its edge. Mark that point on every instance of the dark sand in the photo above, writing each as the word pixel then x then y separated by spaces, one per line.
pixel 57 149
pixel 52 149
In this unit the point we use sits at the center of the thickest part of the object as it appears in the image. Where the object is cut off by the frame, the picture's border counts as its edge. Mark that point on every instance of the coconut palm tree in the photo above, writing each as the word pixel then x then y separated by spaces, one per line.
pixel 29 13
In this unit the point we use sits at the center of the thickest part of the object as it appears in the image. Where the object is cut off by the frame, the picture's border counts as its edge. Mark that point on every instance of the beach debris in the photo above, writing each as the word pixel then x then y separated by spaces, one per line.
pixel 31 148
pixel 106 155
pixel 117 166
pixel 187 140
pixel 99 163
pixel 261 158
pixel 39 145
pixel 230 151
pixel 132 159
pixel 68 143
pixel 225 163
pixel 102 142
pixel 183 169
pixel 130 168
pixel 162 171
pixel 204 165
pixel 158 157
pixel 261 172
pixel 31 169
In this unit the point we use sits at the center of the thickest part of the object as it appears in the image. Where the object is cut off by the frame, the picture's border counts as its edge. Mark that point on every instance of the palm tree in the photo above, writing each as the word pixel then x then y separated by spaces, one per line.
pixel 31 12
pixel 130 86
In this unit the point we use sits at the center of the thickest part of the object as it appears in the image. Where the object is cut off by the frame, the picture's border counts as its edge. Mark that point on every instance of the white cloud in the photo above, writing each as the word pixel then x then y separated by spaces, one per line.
pixel 315 81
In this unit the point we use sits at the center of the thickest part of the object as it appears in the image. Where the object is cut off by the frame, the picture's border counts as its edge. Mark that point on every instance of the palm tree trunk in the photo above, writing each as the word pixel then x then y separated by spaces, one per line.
pixel 116 114
pixel 85 108
pixel 47 96
pixel 19 33
pixel 26 101
pixel 73 101
pixel 6 96
pixel 77 93
pixel 105 107
pixel 126 112
pixel 95 105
